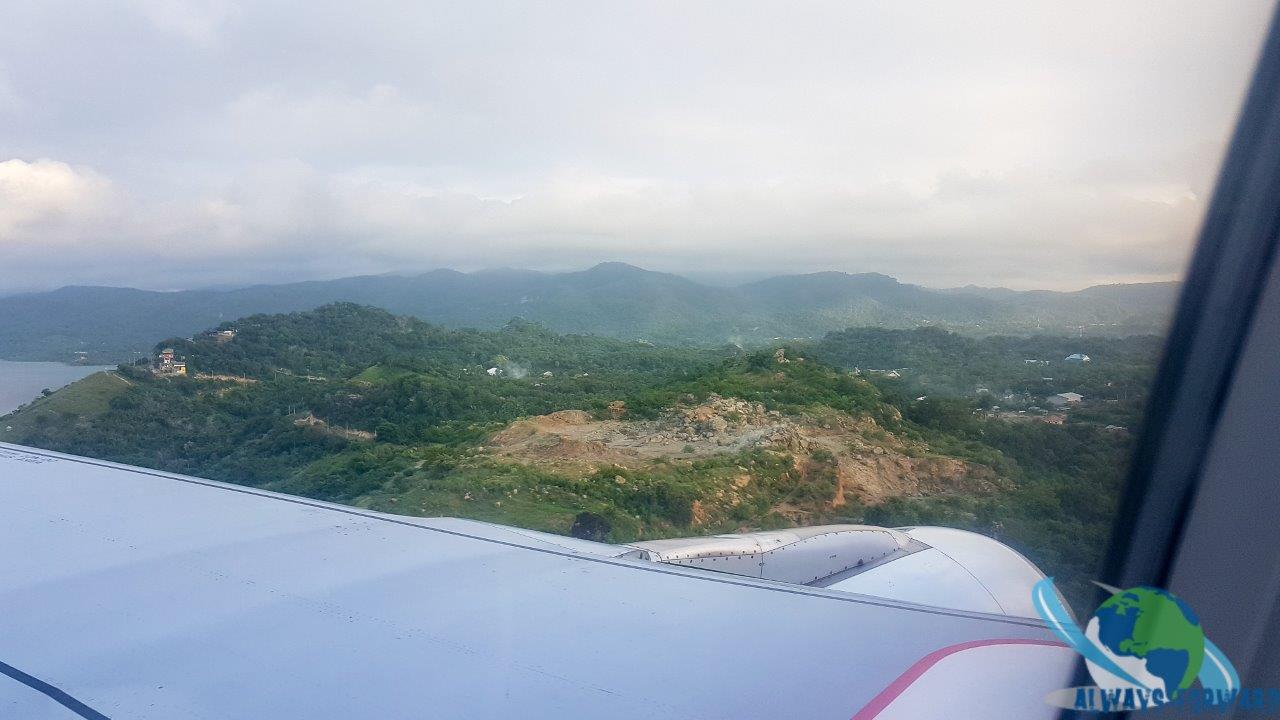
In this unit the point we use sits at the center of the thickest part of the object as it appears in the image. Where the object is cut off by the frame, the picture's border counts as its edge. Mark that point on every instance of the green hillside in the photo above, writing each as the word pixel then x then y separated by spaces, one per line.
pixel 626 439
pixel 79 402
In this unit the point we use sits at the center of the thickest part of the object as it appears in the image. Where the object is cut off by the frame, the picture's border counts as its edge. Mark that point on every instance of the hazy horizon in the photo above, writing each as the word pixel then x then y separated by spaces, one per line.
pixel 711 279
pixel 203 143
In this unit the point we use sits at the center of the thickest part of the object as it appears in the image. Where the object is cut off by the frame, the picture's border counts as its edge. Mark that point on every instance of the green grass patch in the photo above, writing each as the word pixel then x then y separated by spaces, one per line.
pixel 86 398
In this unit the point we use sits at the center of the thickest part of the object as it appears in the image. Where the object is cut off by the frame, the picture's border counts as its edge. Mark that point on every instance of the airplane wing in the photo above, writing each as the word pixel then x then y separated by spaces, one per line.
pixel 133 593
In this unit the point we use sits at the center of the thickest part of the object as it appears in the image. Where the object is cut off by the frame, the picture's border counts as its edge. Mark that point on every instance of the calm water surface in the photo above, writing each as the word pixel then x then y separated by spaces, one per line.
pixel 20 382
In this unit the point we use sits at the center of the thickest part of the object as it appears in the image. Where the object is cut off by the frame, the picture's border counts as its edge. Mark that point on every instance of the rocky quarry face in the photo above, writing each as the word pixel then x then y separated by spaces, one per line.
pixel 871 465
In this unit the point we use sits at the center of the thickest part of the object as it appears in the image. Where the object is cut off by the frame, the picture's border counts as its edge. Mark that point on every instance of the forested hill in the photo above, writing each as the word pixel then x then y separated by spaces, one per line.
pixel 611 300
pixel 341 340
pixel 937 361
pixel 623 439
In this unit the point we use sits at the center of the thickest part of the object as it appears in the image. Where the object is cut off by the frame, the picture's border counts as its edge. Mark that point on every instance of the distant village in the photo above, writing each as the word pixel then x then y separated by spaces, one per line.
pixel 1053 411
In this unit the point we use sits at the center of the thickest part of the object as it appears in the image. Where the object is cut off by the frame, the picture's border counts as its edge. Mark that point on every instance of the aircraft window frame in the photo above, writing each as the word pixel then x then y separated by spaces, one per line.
pixel 1220 298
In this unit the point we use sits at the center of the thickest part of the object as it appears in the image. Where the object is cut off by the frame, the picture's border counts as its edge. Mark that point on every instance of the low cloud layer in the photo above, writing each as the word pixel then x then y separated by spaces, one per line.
pixel 181 144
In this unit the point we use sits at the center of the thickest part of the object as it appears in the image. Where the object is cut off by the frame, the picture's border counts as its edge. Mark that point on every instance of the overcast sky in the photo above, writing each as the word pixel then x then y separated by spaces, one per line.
pixel 1023 143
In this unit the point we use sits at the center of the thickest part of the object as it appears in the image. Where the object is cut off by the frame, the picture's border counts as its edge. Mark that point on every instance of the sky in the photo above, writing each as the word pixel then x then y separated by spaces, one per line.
pixel 1029 144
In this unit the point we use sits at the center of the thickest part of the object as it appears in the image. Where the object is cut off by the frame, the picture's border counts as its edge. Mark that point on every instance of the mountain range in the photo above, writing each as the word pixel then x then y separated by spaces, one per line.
pixel 610 299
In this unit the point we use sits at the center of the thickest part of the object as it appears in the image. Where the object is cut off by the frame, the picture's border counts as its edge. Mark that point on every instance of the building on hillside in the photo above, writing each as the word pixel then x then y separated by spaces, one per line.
pixel 884 373
pixel 1064 399
pixel 167 364
pixel 1077 358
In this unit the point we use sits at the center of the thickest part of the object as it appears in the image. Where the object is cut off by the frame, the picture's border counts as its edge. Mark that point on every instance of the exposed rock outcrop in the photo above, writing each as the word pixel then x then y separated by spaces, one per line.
pixel 869 464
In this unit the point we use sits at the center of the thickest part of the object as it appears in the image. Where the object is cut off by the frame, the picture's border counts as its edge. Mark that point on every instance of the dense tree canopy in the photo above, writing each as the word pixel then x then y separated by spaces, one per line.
pixel 352 404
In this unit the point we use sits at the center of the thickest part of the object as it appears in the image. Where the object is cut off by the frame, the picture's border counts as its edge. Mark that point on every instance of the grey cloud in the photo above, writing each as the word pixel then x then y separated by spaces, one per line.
pixel 170 144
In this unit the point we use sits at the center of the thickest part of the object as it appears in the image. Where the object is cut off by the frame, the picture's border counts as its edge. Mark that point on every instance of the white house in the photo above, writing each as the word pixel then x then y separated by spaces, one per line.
pixel 1077 358
pixel 1063 399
